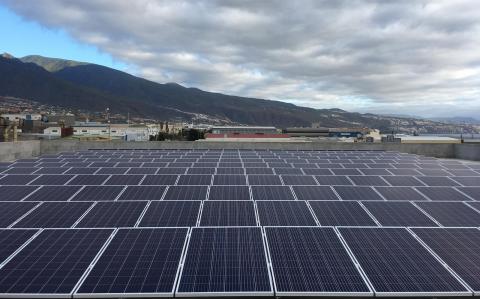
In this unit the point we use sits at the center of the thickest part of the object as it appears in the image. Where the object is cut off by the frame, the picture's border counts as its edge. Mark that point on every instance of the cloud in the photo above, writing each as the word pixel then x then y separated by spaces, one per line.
pixel 411 57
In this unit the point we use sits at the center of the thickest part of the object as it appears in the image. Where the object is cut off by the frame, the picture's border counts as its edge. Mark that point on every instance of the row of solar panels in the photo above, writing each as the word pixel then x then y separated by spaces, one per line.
pixel 236 179
pixel 244 261
pixel 237 213
pixel 241 171
pixel 235 192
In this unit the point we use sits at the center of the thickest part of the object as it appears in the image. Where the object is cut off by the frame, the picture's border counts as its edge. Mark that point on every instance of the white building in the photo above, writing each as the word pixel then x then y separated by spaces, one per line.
pixel 19 116
pixel 53 131
pixel 114 131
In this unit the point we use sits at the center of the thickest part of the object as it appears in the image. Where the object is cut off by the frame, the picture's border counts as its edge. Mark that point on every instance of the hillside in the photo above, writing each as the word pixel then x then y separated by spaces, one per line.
pixel 92 87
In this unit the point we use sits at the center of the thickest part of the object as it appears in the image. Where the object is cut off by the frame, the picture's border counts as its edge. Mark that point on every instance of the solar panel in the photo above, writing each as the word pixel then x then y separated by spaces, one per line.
pixel 52 263
pixel 142 193
pixel 454 214
pixel 357 193
pixel 137 261
pixel 397 213
pixel 333 180
pixel 264 180
pixel 229 193
pixel 82 170
pixel 375 171
pixel 21 170
pixel 225 261
pixel 201 170
pixel 229 180
pixel 459 248
pixel 473 192
pixel 228 213
pixel 293 171
pixel 98 193
pixel 395 262
pixel 15 193
pixel 443 194
pixel 347 171
pixel 127 179
pixel 51 170
pixel 142 170
pixel 341 213
pixel 52 179
pixel 195 180
pixel 284 213
pixel 400 193
pixel 298 180
pixel 88 179
pixel 112 170
pixel 258 170
pixel 113 214
pixel 472 181
pixel 13 239
pixel 312 261
pixel 186 193
pixel 11 211
pixel 234 170
pixel 272 193
pixel 53 193
pixel 17 179
pixel 314 193
pixel 437 181
pixel 171 214
pixel 404 171
pixel 368 180
pixel 54 214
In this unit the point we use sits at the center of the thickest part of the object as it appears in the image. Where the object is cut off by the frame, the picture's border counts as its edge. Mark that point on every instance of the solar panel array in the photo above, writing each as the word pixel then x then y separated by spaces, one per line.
pixel 149 223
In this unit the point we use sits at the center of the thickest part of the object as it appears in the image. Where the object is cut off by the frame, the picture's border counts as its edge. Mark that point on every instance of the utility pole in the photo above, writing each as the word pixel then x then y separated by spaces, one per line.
pixel 108 121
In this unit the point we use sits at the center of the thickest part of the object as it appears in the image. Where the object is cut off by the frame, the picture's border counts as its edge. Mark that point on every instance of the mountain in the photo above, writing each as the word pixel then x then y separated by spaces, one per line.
pixel 457 120
pixel 91 87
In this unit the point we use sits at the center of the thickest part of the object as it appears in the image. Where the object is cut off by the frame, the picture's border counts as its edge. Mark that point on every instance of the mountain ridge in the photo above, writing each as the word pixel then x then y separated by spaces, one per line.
pixel 94 87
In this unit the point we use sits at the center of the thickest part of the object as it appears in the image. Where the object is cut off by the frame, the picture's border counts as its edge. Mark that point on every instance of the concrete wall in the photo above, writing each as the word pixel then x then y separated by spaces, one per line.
pixel 10 151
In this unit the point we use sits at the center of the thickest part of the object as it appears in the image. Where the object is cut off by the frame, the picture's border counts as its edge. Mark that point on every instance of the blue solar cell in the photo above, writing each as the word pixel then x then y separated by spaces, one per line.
pixel 159 180
pixel 264 180
pixel 229 193
pixel 175 213
pixel 346 171
pixel 229 180
pixel 459 248
pixel 228 213
pixel 127 179
pixel 357 193
pixel 52 263
pixel 194 180
pixel 17 179
pixel 52 179
pixel 82 170
pixel 54 214
pixel 113 214
pixel 53 193
pixel 258 170
pixel 272 193
pixel 112 170
pixel 201 170
pixel 51 170
pixel 375 171
pixel 312 260
pixel 88 179
pixel 284 213
pixel 186 193
pixel 98 193
pixel 341 213
pixel 454 214
pixel 368 180
pixel 142 170
pixel 400 193
pixel 171 170
pixel 143 193
pixel 395 262
pixel 314 193
pixel 21 170
pixel 11 211
pixel 443 194
pixel 473 192
pixel 298 180
pixel 396 213
pixel 13 239
pixel 333 180
pixel 137 261
pixel 15 193
pixel 229 261
pixel 235 170
pixel 471 181
pixel 437 181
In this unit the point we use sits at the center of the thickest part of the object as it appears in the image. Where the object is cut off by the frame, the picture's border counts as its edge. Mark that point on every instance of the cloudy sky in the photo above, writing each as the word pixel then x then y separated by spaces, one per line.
pixel 398 57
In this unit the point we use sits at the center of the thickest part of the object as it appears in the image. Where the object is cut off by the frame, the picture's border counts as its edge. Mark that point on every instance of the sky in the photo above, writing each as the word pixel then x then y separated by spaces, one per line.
pixel 416 57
